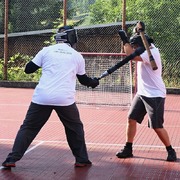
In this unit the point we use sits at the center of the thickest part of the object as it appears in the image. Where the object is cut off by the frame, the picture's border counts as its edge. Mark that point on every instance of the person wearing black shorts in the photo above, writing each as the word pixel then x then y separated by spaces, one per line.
pixel 150 96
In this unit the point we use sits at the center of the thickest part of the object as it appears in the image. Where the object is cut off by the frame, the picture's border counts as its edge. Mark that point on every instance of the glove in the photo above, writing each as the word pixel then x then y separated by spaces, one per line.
pixel 140 27
pixel 123 36
pixel 94 83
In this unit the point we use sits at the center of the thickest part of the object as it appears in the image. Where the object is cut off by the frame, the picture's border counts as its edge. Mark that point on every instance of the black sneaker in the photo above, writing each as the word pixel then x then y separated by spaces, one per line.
pixel 9 162
pixel 125 153
pixel 83 164
pixel 171 155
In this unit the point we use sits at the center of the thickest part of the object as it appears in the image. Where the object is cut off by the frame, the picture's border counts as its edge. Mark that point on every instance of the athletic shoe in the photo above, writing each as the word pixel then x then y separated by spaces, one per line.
pixel 125 153
pixel 171 155
pixel 9 162
pixel 83 164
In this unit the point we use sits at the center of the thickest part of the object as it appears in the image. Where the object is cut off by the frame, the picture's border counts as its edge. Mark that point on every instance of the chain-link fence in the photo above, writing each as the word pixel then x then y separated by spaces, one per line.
pixel 31 23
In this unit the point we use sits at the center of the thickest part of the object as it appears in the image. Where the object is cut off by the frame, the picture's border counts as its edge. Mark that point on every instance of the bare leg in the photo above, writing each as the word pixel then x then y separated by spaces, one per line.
pixel 130 130
pixel 130 134
pixel 163 136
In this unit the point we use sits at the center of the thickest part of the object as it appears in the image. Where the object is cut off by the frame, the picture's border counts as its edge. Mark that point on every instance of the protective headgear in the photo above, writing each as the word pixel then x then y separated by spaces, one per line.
pixel 136 39
pixel 67 36
pixel 61 37
pixel 64 28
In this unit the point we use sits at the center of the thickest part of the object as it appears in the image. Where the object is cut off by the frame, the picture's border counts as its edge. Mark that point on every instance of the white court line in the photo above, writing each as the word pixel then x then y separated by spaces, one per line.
pixel 2 167
pixel 34 147
pixel 29 150
pixel 89 143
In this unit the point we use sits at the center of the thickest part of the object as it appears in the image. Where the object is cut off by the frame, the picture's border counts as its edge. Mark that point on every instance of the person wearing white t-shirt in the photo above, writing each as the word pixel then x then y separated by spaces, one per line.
pixel 149 98
pixel 61 65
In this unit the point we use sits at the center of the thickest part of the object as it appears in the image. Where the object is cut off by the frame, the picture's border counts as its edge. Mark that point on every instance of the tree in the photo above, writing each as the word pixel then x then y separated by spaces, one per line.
pixel 1 17
pixel 27 16
pixel 105 11
pixel 162 21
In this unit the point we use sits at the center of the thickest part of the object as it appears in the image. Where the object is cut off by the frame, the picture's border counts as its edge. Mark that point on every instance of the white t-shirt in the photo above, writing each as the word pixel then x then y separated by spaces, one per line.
pixel 60 63
pixel 150 82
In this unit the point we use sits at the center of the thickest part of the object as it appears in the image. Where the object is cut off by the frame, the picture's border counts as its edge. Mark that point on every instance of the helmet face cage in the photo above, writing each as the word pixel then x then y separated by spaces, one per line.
pixel 66 34
pixel 71 36
pixel 61 37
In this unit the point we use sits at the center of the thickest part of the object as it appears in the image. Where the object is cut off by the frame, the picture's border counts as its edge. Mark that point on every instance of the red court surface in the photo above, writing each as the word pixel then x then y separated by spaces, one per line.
pixel 49 157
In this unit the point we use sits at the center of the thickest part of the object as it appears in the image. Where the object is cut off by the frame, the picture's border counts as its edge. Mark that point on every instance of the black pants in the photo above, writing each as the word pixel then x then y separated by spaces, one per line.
pixel 37 116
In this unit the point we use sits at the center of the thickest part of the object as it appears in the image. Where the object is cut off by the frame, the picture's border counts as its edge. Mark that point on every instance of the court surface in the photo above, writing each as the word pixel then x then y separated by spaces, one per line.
pixel 49 157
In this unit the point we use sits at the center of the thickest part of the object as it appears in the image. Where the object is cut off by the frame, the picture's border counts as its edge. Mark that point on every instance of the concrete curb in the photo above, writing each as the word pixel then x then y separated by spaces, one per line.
pixel 21 84
pixel 11 84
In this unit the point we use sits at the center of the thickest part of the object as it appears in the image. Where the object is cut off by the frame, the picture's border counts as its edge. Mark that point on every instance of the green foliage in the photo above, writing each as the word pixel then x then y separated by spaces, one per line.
pixel 162 21
pixel 172 74
pixel 18 60
pixel 1 68
pixel 15 69
pixel 105 11
pixel 1 17
pixel 37 15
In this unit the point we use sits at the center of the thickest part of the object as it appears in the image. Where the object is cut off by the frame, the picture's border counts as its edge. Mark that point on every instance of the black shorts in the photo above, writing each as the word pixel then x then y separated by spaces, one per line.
pixel 153 107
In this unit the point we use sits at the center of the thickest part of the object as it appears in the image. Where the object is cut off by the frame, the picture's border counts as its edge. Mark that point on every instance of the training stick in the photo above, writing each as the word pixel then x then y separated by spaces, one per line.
pixel 137 52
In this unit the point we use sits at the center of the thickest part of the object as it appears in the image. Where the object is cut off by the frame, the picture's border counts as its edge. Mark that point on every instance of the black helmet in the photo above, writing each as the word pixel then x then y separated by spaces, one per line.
pixel 64 28
pixel 62 36
pixel 67 36
pixel 136 39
